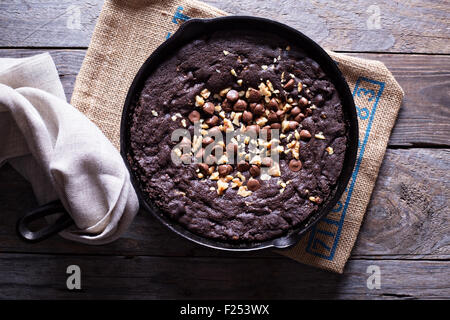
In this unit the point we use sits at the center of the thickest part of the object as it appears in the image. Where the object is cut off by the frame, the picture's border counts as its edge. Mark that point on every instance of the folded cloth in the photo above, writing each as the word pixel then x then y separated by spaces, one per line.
pixel 61 152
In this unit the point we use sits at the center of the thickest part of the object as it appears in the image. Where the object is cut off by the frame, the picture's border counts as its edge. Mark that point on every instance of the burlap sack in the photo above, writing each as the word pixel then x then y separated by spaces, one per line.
pixel 128 31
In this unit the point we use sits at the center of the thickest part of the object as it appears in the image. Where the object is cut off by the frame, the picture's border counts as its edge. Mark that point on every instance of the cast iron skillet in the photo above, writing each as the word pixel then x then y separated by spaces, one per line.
pixel 189 31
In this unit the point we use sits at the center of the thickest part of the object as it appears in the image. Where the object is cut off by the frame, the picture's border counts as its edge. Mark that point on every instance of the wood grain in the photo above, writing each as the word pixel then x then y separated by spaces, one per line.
pixel 424 118
pixel 409 207
pixel 404 26
pixel 28 276
pixel 407 218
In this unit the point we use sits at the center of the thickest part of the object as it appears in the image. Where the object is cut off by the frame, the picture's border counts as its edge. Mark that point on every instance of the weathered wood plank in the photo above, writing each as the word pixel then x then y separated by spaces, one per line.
pixel 407 218
pixel 409 206
pixel 395 26
pixel 30 276
pixel 424 118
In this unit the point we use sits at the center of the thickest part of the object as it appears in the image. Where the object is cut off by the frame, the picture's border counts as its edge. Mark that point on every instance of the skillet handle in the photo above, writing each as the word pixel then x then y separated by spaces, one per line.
pixel 63 222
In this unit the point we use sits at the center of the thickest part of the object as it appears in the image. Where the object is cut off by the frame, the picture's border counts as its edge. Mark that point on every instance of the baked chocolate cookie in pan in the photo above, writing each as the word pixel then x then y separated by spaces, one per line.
pixel 266 94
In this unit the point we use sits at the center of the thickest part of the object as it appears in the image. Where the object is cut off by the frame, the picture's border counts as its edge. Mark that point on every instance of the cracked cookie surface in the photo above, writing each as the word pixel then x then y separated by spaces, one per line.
pixel 264 77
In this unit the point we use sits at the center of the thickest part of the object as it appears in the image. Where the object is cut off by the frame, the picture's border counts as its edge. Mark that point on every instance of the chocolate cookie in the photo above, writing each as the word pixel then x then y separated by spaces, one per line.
pixel 287 128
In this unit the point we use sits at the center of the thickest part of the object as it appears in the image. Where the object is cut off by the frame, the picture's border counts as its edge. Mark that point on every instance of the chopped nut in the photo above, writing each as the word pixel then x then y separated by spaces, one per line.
pixel 264 67
pixel 223 159
pixel 261 121
pixel 233 72
pixel 177 152
pixel 274 170
pixel 281 184
pixel 225 52
pixel 244 192
pixel 256 160
pixel 330 150
pixel 205 93
pixel 296 150
pixel 315 199
pixel 196 142
pixel 239 82
pixel 299 87
pixel 291 144
pixel 240 176
pixel 269 85
pixel 154 113
pixel 264 90
pixel 221 187
pixel 236 183
pixel 284 125
pixel 237 118
pixel 227 125
pixel 200 175
pixel 319 136
pixel 199 101
pixel 214 176
pixel 183 122
pixel 223 92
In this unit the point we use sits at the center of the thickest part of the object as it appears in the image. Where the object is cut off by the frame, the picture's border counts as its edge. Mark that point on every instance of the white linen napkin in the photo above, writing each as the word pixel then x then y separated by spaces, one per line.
pixel 62 153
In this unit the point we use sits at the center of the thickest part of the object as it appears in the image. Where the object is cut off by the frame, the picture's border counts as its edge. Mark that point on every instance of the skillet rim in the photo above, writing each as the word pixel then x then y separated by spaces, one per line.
pixel 188 32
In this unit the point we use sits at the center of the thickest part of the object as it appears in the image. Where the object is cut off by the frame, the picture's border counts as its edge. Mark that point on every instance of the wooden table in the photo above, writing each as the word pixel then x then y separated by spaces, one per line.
pixel 406 228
